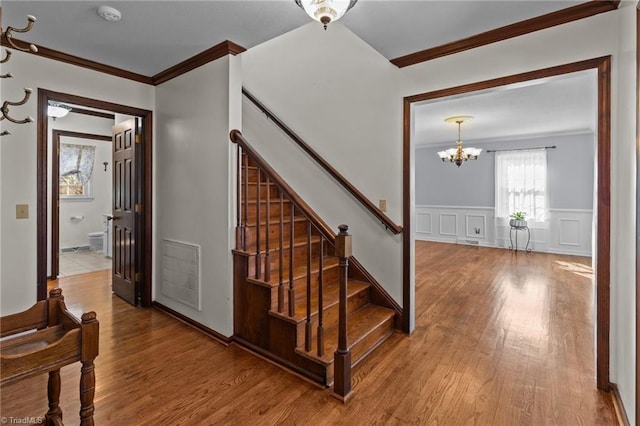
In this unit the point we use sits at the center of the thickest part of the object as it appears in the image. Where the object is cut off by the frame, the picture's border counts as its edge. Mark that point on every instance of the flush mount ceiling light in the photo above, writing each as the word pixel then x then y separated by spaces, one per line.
pixel 56 110
pixel 109 13
pixel 326 11
pixel 459 154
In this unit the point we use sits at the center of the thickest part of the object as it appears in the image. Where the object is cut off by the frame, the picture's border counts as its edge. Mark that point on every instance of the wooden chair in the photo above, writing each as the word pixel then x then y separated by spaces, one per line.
pixel 45 338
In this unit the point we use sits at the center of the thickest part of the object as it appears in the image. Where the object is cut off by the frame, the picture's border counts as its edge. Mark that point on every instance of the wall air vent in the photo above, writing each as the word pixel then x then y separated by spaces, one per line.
pixel 181 272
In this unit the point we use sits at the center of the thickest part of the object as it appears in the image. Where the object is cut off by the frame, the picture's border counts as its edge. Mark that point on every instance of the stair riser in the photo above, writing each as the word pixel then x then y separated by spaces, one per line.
pixel 274 210
pixel 251 231
pixel 252 191
pixel 299 257
pixel 300 284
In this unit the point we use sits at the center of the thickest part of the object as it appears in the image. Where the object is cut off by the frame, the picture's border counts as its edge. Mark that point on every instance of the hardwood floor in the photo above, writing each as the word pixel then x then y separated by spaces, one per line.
pixel 501 340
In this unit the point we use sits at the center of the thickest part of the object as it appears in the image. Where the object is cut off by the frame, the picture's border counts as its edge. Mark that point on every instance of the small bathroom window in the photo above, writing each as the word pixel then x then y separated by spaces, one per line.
pixel 76 168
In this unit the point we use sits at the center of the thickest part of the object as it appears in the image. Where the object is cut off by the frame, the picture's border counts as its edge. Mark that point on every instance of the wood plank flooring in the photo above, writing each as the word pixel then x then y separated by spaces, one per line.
pixel 500 339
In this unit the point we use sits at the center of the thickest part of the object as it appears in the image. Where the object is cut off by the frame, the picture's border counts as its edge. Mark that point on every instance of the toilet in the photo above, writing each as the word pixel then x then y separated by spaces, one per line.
pixel 95 241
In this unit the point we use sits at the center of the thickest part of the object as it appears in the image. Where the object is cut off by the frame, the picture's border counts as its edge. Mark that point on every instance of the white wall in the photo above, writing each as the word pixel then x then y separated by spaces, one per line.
pixel 611 33
pixel 344 99
pixel 623 280
pixel 18 160
pixel 194 169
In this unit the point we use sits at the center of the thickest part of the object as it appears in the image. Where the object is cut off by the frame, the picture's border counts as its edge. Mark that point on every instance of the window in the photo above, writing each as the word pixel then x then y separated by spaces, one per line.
pixel 76 168
pixel 521 183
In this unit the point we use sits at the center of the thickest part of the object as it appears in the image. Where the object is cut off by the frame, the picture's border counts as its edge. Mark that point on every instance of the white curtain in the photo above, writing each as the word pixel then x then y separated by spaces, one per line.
pixel 521 183
pixel 78 160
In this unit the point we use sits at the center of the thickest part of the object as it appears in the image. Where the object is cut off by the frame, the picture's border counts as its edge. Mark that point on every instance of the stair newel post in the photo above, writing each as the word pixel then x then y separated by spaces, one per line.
pixel 281 256
pixel 267 262
pixel 342 356
pixel 258 263
pixel 291 295
pixel 308 331
pixel 320 297
pixel 239 224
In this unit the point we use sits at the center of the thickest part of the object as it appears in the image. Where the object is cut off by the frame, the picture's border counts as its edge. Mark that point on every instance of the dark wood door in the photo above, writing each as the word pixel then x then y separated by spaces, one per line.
pixel 125 229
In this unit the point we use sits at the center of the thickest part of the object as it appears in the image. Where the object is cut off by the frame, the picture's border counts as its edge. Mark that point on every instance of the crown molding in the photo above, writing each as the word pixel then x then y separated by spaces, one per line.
pixel 56 55
pixel 218 51
pixel 573 13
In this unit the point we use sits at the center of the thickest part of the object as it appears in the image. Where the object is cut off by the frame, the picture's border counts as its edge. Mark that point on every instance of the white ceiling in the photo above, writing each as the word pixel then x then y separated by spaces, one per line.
pixel 563 104
pixel 155 35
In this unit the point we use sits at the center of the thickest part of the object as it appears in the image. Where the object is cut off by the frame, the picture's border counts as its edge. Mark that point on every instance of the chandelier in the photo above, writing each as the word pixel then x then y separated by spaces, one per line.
pixel 326 11
pixel 459 154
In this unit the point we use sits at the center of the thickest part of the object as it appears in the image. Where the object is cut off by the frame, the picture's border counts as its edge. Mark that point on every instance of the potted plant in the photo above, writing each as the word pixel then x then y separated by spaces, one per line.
pixel 518 219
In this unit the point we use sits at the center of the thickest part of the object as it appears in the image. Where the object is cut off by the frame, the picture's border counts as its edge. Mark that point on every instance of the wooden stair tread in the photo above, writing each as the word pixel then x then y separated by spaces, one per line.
pixel 330 293
pixel 360 324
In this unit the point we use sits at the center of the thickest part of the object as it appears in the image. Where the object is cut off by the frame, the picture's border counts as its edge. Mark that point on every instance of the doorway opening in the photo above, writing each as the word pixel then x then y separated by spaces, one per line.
pixel 602 207
pixel 81 191
pixel 48 189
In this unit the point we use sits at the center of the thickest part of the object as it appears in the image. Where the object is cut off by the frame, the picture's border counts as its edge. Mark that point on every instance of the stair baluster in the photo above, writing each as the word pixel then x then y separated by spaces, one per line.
pixel 342 356
pixel 320 343
pixel 258 226
pixel 246 197
pixel 240 229
pixel 281 257
pixel 267 262
pixel 292 298
pixel 308 331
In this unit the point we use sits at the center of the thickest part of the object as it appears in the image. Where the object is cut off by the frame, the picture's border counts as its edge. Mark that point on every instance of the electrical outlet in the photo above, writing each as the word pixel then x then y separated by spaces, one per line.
pixel 382 205
pixel 22 211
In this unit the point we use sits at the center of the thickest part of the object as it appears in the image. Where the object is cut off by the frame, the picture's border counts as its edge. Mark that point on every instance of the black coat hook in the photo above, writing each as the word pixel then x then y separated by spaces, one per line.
pixel 105 165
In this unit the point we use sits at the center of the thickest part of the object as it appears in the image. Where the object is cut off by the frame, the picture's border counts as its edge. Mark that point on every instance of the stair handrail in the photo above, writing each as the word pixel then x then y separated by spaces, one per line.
pixel 386 221
pixel 237 138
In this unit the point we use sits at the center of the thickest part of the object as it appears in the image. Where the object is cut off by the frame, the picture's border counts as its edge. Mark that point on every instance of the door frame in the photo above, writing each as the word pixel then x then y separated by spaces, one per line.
pixel 603 216
pixel 56 134
pixel 146 224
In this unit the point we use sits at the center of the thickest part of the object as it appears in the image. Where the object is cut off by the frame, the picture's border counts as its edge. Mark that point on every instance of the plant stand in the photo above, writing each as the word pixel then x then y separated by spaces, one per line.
pixel 515 228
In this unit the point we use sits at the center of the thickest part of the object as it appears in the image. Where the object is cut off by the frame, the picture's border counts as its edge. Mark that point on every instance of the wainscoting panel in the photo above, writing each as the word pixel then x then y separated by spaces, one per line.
pixel 476 225
pixel 568 231
pixel 423 223
pixel 449 224
pixel 571 231
pixel 464 225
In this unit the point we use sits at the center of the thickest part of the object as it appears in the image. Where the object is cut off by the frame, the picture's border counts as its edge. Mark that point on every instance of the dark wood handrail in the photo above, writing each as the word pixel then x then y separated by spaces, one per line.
pixel 236 137
pixel 386 221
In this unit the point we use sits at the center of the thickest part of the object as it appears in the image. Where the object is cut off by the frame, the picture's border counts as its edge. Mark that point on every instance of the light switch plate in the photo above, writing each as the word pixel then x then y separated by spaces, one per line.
pixel 383 205
pixel 22 211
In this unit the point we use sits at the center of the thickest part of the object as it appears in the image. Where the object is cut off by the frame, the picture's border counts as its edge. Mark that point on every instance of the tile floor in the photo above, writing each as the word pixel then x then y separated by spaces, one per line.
pixel 81 262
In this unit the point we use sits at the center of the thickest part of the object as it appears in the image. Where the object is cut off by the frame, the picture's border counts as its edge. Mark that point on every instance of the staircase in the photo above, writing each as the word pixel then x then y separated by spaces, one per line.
pixel 298 293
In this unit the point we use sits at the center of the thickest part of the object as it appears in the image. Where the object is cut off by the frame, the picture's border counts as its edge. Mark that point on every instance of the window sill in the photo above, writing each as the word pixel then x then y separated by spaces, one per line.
pixel 76 199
